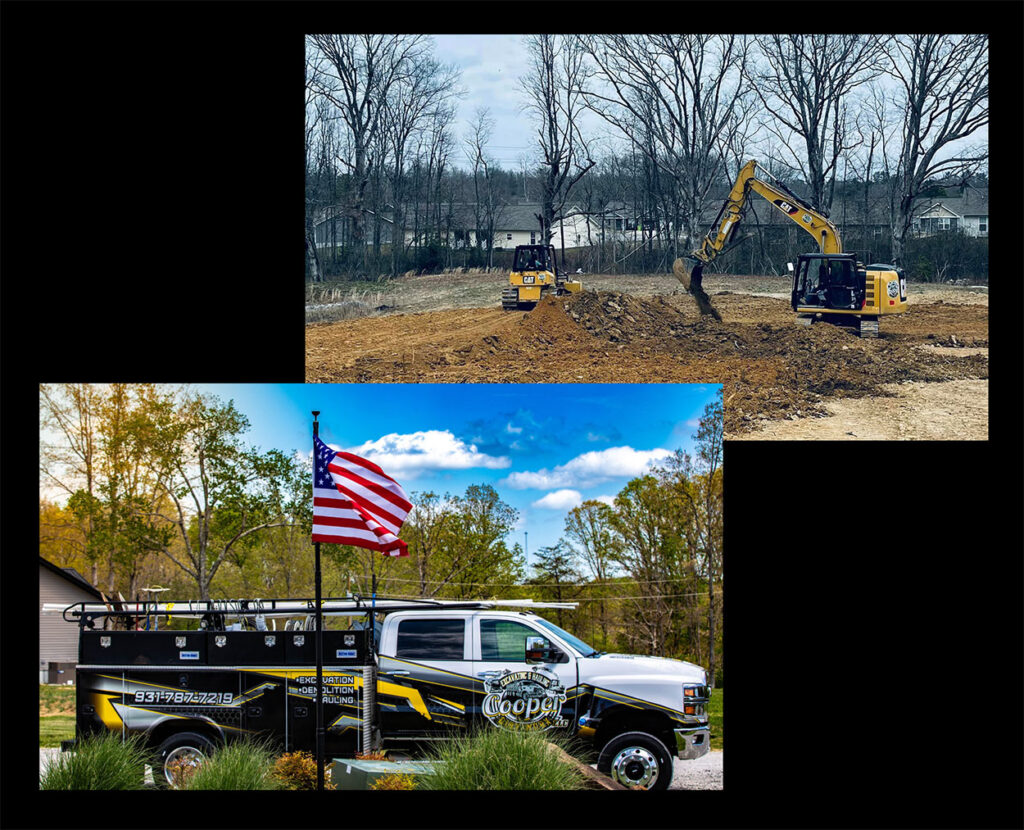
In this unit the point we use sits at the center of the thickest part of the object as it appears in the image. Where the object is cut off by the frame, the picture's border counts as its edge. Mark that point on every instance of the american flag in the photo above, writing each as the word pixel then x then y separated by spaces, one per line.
pixel 356 503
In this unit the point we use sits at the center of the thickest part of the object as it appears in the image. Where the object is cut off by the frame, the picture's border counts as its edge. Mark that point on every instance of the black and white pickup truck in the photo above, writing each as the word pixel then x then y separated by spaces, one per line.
pixel 429 669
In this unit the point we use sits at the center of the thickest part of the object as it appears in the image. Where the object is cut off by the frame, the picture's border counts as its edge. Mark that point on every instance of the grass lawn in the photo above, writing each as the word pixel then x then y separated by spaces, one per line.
pixel 56 728
pixel 56 714
pixel 716 718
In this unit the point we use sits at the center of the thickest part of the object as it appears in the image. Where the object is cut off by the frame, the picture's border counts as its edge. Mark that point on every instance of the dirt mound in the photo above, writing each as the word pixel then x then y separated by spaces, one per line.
pixel 770 367
pixel 620 318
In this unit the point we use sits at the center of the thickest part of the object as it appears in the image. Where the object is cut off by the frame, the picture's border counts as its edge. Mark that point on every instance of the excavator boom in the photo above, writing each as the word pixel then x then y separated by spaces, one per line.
pixel 841 286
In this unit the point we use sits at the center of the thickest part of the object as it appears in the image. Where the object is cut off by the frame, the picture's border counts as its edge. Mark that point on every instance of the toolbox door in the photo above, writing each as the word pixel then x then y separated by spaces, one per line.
pixel 425 689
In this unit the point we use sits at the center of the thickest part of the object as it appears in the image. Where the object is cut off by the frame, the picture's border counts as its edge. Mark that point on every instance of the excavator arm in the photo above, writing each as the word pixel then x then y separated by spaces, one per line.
pixel 720 238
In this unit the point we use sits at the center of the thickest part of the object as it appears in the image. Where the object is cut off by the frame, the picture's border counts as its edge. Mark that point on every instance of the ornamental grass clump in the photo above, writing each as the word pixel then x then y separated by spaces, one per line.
pixel 499 759
pixel 240 765
pixel 99 762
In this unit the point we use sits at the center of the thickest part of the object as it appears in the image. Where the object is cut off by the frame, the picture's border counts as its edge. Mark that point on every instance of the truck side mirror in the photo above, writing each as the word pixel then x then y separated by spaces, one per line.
pixel 539 650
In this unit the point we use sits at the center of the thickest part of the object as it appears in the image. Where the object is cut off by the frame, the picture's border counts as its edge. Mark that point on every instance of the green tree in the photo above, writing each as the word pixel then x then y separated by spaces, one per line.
pixel 654 556
pixel 594 541
pixel 696 483
pixel 557 575
pixel 221 491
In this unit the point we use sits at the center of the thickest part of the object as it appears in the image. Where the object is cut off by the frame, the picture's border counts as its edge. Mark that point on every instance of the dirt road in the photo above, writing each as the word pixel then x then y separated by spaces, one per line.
pixel 924 377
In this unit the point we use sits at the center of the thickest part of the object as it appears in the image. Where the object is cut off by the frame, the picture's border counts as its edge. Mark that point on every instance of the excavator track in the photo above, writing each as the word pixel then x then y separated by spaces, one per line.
pixel 509 299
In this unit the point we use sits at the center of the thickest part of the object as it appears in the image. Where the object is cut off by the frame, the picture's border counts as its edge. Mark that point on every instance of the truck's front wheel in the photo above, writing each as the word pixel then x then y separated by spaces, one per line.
pixel 637 759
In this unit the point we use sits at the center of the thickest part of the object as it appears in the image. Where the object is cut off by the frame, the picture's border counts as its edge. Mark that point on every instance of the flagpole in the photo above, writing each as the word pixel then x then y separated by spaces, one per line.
pixel 319 641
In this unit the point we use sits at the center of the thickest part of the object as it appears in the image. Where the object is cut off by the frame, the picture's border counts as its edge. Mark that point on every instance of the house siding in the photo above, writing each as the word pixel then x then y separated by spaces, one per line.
pixel 58 640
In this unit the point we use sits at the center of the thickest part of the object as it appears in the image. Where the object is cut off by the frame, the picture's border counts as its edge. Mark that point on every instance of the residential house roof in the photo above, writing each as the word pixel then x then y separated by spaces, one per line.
pixel 72 576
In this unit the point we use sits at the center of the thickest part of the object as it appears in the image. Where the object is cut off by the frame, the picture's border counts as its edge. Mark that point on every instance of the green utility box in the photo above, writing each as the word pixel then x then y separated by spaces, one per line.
pixel 353 774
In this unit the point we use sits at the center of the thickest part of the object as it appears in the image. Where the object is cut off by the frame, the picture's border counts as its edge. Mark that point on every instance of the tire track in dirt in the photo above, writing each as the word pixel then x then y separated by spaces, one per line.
pixel 771 368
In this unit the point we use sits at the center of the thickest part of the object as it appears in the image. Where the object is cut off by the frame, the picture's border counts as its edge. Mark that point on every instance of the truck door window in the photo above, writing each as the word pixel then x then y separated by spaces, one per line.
pixel 504 640
pixel 431 639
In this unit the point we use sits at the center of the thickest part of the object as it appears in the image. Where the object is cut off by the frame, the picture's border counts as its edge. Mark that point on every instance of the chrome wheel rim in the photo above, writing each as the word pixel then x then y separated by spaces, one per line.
pixel 635 766
pixel 185 756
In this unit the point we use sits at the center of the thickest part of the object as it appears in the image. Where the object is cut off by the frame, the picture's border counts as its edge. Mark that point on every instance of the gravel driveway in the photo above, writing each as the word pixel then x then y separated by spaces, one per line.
pixel 699 774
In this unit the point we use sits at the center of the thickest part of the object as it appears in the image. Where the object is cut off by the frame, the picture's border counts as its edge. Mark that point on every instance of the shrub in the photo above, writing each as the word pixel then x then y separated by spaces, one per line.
pixel 297 771
pixel 498 759
pixel 240 765
pixel 99 762
pixel 395 781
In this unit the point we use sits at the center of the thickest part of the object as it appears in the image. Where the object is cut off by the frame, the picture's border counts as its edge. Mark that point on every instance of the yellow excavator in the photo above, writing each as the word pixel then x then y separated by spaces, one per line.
pixel 830 285
pixel 534 276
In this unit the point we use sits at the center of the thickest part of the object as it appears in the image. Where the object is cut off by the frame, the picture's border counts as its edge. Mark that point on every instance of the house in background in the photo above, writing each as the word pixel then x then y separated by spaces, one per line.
pixel 967 212
pixel 58 640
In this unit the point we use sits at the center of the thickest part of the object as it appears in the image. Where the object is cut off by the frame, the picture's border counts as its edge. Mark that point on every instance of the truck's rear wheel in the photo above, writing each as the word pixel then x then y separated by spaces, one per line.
pixel 178 754
pixel 637 759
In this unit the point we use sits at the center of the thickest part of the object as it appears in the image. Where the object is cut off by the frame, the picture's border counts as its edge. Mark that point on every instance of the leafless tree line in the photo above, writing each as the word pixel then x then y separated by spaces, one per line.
pixel 683 113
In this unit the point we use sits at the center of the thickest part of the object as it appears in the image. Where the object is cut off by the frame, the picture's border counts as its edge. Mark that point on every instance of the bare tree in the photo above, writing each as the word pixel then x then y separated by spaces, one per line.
pixel 412 105
pixel 487 199
pixel 679 99
pixel 554 97
pixel 804 83
pixel 943 80
pixel 356 73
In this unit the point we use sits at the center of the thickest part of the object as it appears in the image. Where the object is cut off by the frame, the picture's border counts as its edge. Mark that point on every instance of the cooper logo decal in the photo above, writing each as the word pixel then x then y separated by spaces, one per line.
pixel 524 701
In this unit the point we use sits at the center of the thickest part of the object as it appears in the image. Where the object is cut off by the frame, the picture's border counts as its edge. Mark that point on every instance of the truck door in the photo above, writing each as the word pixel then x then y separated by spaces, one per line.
pixel 517 694
pixel 425 687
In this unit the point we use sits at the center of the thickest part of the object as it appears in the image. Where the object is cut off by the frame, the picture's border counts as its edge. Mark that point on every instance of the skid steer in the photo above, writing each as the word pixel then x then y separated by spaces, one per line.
pixel 534 276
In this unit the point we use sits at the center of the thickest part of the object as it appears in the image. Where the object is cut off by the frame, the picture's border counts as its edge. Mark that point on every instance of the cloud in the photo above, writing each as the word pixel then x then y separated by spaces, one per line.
pixel 589 469
pixel 560 500
pixel 413 453
pixel 609 500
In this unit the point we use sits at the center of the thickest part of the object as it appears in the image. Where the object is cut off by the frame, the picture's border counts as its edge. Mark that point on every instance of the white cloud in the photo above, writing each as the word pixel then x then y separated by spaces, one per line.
pixel 512 429
pixel 589 469
pixel 410 454
pixel 560 500
pixel 609 500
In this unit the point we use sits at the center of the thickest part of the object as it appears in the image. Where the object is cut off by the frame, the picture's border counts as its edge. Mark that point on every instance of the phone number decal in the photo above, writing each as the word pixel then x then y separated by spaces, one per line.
pixel 183 697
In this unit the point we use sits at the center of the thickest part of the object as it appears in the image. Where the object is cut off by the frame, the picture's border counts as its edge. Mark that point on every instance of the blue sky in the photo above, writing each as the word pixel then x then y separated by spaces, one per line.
pixel 544 447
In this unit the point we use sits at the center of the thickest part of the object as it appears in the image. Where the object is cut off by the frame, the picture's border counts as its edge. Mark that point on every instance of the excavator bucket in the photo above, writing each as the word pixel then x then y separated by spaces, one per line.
pixel 681 268
pixel 692 279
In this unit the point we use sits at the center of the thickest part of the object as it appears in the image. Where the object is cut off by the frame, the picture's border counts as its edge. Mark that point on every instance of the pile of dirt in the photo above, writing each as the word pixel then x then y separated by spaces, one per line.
pixel 620 318
pixel 771 369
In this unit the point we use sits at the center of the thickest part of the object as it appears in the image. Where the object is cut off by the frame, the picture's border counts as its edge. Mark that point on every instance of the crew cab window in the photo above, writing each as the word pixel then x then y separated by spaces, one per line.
pixel 504 640
pixel 431 639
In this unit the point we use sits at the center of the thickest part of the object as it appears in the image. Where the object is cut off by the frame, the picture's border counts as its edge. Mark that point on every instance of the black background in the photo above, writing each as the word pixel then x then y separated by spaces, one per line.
pixel 902 707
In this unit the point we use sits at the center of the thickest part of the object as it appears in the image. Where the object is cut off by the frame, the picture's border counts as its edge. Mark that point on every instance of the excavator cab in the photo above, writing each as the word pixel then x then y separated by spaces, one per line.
pixel 534 276
pixel 828 281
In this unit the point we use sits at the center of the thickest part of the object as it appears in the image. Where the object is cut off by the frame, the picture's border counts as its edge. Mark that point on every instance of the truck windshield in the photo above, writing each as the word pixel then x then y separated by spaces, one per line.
pixel 575 642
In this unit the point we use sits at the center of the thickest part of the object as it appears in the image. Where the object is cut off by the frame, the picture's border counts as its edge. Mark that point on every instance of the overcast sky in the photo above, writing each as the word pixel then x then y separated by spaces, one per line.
pixel 491 66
